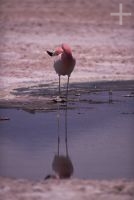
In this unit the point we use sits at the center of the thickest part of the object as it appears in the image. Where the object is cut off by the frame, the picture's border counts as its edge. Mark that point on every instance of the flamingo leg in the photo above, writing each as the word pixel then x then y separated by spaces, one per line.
pixel 58 130
pixel 58 145
pixel 59 87
pixel 66 132
pixel 66 125
pixel 67 88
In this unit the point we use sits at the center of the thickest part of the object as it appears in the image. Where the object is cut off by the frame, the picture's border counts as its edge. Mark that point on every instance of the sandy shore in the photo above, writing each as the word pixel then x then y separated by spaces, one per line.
pixel 66 189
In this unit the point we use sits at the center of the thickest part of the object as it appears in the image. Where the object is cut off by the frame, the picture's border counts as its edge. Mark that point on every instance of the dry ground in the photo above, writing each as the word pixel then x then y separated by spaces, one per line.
pixel 103 49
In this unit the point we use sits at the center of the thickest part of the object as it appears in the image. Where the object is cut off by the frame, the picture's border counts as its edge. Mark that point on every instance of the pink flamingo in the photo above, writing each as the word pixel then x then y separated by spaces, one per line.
pixel 65 62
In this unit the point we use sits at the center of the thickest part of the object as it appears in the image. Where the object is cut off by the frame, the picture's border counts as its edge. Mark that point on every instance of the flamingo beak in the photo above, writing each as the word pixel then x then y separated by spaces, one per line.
pixel 50 53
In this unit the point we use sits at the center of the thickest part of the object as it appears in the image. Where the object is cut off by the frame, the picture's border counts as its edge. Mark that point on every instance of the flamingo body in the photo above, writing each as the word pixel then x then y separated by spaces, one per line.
pixel 64 66
pixel 65 62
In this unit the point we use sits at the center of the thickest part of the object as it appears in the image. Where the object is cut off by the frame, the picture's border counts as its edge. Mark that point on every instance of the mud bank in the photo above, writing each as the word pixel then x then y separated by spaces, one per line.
pixel 41 97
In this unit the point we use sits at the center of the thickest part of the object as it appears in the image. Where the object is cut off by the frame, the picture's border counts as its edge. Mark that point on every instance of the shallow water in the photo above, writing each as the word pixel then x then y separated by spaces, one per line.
pixel 100 138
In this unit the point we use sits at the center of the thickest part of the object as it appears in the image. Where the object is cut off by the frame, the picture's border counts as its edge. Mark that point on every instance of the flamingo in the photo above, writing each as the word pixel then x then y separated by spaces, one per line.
pixel 64 63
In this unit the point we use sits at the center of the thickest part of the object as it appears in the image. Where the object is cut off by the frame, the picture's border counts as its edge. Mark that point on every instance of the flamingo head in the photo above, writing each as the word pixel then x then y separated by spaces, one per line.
pixel 56 52
pixel 66 48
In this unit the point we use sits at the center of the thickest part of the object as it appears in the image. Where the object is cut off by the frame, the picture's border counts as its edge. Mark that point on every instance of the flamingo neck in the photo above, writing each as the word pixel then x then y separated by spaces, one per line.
pixel 67 55
pixel 66 49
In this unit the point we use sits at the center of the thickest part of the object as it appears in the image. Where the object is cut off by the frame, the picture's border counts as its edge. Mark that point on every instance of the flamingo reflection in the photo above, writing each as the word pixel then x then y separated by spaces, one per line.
pixel 62 164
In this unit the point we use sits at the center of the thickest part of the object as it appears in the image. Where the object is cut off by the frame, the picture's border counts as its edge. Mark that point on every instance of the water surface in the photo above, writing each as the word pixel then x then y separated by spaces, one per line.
pixel 100 138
